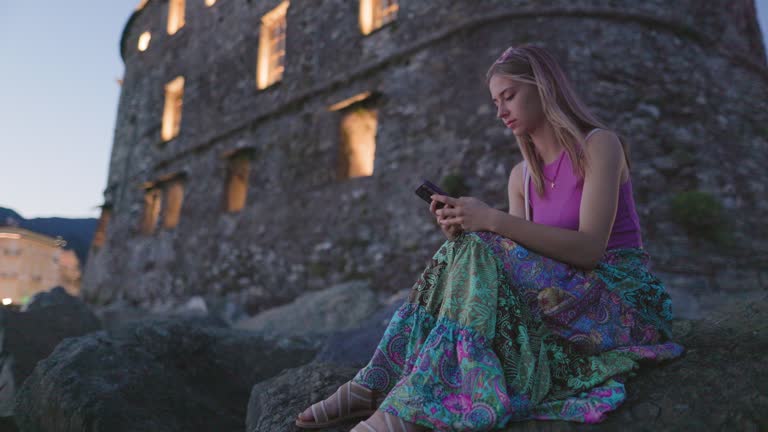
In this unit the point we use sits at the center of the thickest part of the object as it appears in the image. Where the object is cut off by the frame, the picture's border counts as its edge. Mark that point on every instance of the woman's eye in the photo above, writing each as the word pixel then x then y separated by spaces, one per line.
pixel 510 97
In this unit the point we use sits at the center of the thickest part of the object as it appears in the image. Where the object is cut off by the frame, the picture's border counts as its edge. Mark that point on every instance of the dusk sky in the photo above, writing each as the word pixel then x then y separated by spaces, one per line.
pixel 58 102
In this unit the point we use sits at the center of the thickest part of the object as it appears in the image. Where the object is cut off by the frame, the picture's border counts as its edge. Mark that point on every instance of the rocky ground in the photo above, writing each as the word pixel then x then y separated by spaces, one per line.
pixel 721 383
pixel 190 372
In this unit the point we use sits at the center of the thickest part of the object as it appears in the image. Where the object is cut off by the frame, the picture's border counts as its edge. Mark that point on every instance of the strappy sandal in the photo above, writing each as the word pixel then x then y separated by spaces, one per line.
pixel 397 425
pixel 344 396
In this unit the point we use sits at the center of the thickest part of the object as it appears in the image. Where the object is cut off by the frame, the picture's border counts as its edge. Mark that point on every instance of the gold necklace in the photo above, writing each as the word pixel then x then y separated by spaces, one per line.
pixel 556 171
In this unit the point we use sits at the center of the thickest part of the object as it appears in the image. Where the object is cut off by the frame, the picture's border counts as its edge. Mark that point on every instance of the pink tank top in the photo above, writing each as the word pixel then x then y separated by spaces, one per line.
pixel 560 205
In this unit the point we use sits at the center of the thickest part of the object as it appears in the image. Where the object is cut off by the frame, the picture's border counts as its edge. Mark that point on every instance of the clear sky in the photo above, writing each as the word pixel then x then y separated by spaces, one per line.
pixel 59 65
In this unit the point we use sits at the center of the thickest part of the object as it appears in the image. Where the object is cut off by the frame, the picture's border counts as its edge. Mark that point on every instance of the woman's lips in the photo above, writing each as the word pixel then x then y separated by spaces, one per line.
pixel 511 123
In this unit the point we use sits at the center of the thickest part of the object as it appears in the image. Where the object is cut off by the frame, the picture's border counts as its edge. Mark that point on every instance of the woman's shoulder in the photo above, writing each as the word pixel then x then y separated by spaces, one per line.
pixel 517 176
pixel 602 135
pixel 603 143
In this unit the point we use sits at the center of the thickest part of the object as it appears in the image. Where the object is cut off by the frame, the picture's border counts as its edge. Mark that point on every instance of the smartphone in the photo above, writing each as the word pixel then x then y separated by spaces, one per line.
pixel 427 189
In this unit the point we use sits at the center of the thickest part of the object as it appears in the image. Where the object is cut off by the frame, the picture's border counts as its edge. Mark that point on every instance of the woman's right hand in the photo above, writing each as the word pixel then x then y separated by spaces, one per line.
pixel 451 231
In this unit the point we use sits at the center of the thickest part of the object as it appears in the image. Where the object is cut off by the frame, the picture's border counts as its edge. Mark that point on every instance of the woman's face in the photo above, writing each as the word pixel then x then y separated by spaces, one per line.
pixel 517 104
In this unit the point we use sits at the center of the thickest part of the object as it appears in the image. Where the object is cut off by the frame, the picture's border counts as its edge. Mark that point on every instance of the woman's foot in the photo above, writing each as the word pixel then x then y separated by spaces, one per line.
pixel 381 421
pixel 351 400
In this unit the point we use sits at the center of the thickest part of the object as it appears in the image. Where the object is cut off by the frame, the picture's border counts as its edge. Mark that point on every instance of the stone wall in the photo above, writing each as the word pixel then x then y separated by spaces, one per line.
pixel 686 84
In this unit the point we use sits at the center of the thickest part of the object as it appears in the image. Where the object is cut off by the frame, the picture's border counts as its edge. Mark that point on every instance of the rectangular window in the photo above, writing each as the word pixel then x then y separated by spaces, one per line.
pixel 175 15
pixel 358 140
pixel 376 13
pixel 152 202
pixel 210 3
pixel 271 60
pixel 174 92
pixel 174 195
pixel 238 168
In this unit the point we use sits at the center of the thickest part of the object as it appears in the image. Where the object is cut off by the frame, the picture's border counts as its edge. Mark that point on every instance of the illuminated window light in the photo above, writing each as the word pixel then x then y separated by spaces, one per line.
pixel 376 13
pixel 210 3
pixel 144 41
pixel 10 236
pixel 347 102
pixel 152 202
pixel 358 143
pixel 174 92
pixel 175 15
pixel 237 180
pixel 271 60
pixel 174 195
pixel 7 301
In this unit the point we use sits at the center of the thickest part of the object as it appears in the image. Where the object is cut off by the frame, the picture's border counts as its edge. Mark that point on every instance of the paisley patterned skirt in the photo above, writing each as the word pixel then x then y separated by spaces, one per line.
pixel 493 332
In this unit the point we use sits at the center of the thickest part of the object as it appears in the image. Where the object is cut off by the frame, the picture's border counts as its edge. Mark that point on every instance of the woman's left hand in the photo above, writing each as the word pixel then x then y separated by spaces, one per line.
pixel 471 213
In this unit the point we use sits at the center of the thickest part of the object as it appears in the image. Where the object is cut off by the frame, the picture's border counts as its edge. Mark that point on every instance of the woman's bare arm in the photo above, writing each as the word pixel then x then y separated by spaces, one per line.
pixel 583 248
pixel 515 192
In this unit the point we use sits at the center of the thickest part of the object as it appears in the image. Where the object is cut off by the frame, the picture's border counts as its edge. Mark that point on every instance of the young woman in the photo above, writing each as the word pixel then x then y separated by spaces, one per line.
pixel 539 313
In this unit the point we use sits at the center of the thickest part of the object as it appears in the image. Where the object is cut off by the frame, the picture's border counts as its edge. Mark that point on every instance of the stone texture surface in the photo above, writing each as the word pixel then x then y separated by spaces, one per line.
pixel 355 347
pixel 317 313
pixel 195 373
pixel 691 100
pixel 719 384
pixel 119 313
pixel 274 404
pixel 30 336
pixel 183 374
pixel 55 296
pixel 8 425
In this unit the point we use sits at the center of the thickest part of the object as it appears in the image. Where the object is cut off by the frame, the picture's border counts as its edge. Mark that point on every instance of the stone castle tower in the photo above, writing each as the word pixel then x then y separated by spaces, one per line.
pixel 266 148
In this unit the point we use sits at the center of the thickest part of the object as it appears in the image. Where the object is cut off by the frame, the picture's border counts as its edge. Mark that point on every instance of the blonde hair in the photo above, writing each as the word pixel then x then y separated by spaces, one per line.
pixel 568 115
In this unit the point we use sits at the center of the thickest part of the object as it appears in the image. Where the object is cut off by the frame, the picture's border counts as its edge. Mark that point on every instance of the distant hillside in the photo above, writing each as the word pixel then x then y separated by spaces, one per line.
pixel 77 232
pixel 8 213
